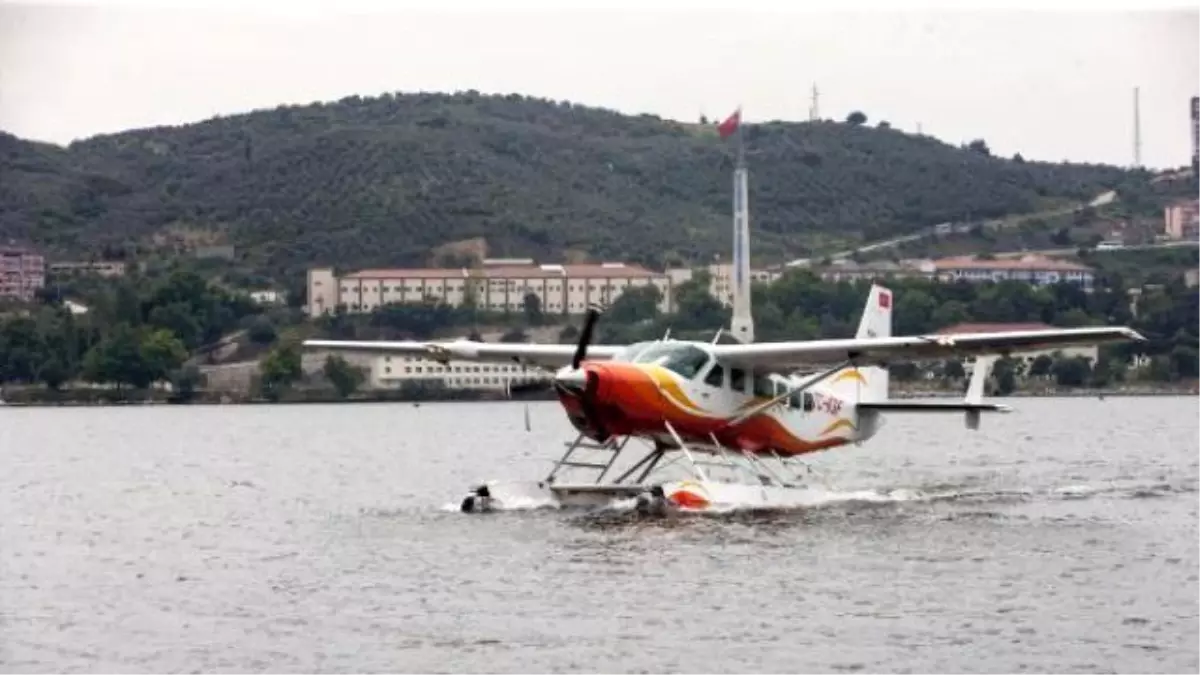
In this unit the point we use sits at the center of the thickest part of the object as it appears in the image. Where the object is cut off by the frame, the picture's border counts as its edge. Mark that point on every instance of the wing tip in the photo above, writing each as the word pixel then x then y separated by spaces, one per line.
pixel 1133 335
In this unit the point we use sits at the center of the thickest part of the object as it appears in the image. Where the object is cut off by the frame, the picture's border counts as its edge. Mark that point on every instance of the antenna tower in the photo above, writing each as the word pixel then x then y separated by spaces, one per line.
pixel 814 112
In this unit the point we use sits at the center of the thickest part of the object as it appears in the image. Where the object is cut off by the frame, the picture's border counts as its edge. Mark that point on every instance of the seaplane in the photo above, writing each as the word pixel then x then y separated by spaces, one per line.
pixel 734 417
pixel 723 425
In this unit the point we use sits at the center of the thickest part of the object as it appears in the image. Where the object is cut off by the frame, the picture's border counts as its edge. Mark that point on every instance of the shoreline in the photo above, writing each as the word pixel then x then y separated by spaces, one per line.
pixel 90 399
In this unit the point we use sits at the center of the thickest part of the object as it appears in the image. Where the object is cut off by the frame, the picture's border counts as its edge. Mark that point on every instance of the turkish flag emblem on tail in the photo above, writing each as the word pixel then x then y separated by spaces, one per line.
pixel 885 300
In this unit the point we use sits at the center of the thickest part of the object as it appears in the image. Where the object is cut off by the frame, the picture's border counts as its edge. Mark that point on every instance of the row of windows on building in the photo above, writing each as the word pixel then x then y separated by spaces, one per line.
pixel 497 285
pixel 420 366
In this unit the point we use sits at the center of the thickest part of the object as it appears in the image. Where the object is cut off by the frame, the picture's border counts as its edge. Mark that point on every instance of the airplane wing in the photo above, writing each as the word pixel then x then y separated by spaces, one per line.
pixel 551 356
pixel 784 355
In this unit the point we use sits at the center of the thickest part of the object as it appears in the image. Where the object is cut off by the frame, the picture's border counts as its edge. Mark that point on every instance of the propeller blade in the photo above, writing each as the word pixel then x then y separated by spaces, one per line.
pixel 585 337
pixel 587 401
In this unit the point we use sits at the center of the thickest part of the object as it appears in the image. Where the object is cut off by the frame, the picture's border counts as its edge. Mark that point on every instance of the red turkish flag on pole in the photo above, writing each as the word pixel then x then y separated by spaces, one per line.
pixel 730 125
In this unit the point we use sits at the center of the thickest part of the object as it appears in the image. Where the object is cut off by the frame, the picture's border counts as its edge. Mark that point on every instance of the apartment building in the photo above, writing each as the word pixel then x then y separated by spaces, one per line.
pixel 1033 269
pixel 496 285
pixel 1181 220
pixel 22 273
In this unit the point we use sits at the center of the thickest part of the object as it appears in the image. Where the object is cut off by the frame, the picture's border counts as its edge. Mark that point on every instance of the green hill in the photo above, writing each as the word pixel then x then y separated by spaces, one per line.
pixel 381 181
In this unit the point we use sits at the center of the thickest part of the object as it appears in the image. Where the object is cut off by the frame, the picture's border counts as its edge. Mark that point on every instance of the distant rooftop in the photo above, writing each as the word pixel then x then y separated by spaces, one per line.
pixel 526 271
pixel 992 328
pixel 1029 262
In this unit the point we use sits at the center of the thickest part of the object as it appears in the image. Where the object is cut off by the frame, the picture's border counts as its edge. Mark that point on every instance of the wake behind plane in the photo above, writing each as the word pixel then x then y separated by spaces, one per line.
pixel 744 411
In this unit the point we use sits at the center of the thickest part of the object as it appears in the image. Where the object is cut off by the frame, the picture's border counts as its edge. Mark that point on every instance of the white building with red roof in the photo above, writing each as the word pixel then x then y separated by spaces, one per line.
pixel 1034 269
pixel 496 285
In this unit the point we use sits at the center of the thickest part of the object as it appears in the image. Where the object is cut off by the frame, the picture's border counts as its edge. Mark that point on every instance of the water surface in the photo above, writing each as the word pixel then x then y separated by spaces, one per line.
pixel 1061 538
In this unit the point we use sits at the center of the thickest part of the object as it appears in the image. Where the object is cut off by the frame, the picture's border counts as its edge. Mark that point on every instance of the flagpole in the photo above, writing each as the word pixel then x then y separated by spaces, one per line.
pixel 742 320
pixel 741 144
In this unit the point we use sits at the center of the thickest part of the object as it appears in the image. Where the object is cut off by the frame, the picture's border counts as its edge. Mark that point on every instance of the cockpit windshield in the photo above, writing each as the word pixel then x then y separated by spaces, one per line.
pixel 631 353
pixel 681 358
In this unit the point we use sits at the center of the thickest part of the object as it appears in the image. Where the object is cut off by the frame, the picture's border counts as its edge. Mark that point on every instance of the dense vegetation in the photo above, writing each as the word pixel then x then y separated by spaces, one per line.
pixel 135 332
pixel 140 331
pixel 382 181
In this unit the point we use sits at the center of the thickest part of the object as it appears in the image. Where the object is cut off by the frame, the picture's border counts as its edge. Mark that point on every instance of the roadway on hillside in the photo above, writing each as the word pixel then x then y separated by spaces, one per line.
pixel 1102 199
pixel 1073 251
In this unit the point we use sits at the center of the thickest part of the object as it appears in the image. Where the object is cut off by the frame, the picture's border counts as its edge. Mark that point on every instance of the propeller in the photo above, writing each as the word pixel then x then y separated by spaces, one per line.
pixel 589 382
pixel 585 337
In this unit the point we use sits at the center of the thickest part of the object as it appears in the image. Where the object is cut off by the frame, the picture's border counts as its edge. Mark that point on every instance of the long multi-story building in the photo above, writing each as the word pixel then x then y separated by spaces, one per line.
pixel 876 270
pixel 560 289
pixel 1032 269
pixel 22 273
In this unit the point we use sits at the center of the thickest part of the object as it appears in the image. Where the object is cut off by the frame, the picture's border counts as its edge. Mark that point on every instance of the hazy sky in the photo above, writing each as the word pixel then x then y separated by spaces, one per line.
pixel 1049 85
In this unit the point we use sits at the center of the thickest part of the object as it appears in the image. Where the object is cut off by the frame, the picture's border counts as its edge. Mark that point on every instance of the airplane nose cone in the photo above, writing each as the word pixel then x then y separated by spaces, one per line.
pixel 574 379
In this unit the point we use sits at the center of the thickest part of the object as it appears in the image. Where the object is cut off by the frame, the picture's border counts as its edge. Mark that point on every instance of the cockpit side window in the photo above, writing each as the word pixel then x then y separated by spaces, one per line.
pixel 807 402
pixel 716 376
pixel 737 380
pixel 763 386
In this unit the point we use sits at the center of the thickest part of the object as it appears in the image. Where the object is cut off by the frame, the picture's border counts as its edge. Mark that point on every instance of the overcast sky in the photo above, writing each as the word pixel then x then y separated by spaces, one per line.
pixel 1049 85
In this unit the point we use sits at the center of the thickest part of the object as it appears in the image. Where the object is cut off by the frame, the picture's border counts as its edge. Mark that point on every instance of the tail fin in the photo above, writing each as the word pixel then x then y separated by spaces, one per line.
pixel 876 322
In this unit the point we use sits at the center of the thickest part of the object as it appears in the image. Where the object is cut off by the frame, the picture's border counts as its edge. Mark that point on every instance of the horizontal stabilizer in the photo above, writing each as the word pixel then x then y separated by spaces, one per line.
pixel 933 407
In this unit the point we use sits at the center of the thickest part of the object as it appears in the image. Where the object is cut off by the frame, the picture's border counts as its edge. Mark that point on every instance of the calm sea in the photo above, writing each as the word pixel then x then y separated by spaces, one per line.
pixel 1060 538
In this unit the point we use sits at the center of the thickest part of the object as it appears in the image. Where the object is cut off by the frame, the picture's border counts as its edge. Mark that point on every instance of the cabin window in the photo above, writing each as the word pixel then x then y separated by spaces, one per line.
pixel 807 402
pixel 737 379
pixel 716 376
pixel 763 386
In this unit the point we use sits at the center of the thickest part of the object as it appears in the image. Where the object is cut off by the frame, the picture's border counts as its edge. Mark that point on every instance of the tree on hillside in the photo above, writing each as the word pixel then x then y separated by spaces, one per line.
pixel 634 305
pixel 134 357
pixel 279 370
pixel 531 306
pixel 696 308
pixel 1074 371
pixel 345 378
pixel 1004 373
pixel 953 369
pixel 1041 365
pixel 856 118
pixel 261 331
pixel 979 146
